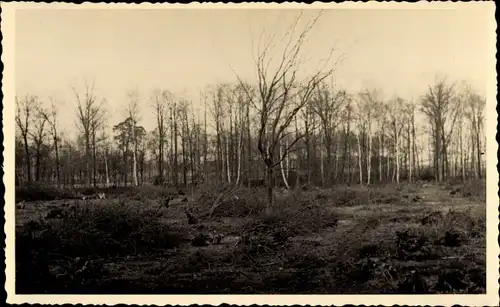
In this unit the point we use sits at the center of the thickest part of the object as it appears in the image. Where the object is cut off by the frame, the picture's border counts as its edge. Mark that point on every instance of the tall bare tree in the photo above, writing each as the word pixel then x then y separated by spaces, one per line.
pixel 281 96
pixel 328 104
pixel 396 109
pixel 25 113
pixel 368 102
pixel 90 115
pixel 160 99
pixel 441 108
pixel 38 135
pixel 51 118
pixel 134 115
pixel 475 105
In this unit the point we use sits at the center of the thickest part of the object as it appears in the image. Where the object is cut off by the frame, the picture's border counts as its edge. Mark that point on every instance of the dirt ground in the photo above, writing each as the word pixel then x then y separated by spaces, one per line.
pixel 416 239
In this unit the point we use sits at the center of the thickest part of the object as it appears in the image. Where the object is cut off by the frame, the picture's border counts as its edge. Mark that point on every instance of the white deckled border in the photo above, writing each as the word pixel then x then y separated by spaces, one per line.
pixel 8 89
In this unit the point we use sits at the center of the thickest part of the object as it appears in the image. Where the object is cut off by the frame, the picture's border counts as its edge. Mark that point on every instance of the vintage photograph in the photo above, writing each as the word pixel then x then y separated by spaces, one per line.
pixel 252 150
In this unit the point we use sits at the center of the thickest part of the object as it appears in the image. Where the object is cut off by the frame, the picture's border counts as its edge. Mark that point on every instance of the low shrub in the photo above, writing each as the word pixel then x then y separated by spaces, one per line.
pixel 297 217
pixel 93 232
pixel 41 192
pixel 475 188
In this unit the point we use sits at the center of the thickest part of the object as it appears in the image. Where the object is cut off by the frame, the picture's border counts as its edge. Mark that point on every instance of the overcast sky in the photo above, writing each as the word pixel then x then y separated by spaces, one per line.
pixel 397 51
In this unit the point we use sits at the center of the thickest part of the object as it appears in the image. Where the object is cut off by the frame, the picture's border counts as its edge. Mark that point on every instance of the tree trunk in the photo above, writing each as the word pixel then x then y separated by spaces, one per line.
pixel 397 156
pixel 285 181
pixel 240 148
pixel 270 186
pixel 369 156
pixel 87 158
pixel 414 146
pixel 360 158
pixel 308 149
pixel 478 149
pixel 462 162
pixel 228 165
pixel 37 163
pixel 134 155
pixel 56 149
pixel 94 160
pixel 28 158
pixel 380 157
pixel 106 167
pixel 249 144
pixel 321 165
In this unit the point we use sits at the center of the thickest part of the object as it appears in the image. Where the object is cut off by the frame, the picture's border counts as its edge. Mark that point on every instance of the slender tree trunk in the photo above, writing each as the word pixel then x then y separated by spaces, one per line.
pixel 134 155
pixel 360 158
pixel 228 165
pixel 240 147
pixel 414 146
pixel 299 158
pixel 287 159
pixel 56 149
pixel 87 158
pixel 37 162
pixel 308 148
pixel 249 144
pixel 369 155
pixel 478 149
pixel 348 147
pixel 462 162
pixel 337 153
pixel 285 181
pixel 380 157
pixel 397 156
pixel 176 151
pixel 28 158
pixel 94 159
pixel 106 167
pixel 410 158
pixel 270 186
pixel 321 165
pixel 205 149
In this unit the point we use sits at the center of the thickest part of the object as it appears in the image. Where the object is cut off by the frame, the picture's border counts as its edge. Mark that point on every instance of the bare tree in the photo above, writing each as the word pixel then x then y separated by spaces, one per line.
pixel 51 118
pixel 328 104
pixel 90 114
pixel 368 102
pixel 396 107
pixel 38 134
pixel 410 137
pixel 159 105
pixel 475 114
pixel 24 115
pixel 281 96
pixel 133 114
pixel 218 113
pixel 106 147
pixel 440 107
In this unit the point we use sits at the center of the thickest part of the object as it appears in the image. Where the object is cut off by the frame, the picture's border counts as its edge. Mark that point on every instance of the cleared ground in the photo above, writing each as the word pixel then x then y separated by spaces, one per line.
pixel 383 239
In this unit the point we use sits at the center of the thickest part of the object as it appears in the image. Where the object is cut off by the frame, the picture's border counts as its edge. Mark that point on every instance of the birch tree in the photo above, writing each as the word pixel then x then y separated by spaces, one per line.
pixel 133 113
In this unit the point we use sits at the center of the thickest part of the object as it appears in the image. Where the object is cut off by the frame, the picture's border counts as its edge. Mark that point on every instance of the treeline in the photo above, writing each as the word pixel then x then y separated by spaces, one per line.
pixel 336 137
pixel 279 129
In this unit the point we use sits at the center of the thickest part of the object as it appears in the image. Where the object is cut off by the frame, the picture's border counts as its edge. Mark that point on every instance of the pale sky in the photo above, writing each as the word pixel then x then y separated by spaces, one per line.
pixel 397 51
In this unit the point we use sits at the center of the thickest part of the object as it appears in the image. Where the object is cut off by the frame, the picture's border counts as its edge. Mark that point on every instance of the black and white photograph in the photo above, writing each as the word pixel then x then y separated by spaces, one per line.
pixel 258 149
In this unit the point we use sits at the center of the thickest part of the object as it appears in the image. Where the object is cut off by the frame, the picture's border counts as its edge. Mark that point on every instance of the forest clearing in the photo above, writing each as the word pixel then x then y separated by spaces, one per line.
pixel 415 238
pixel 251 156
